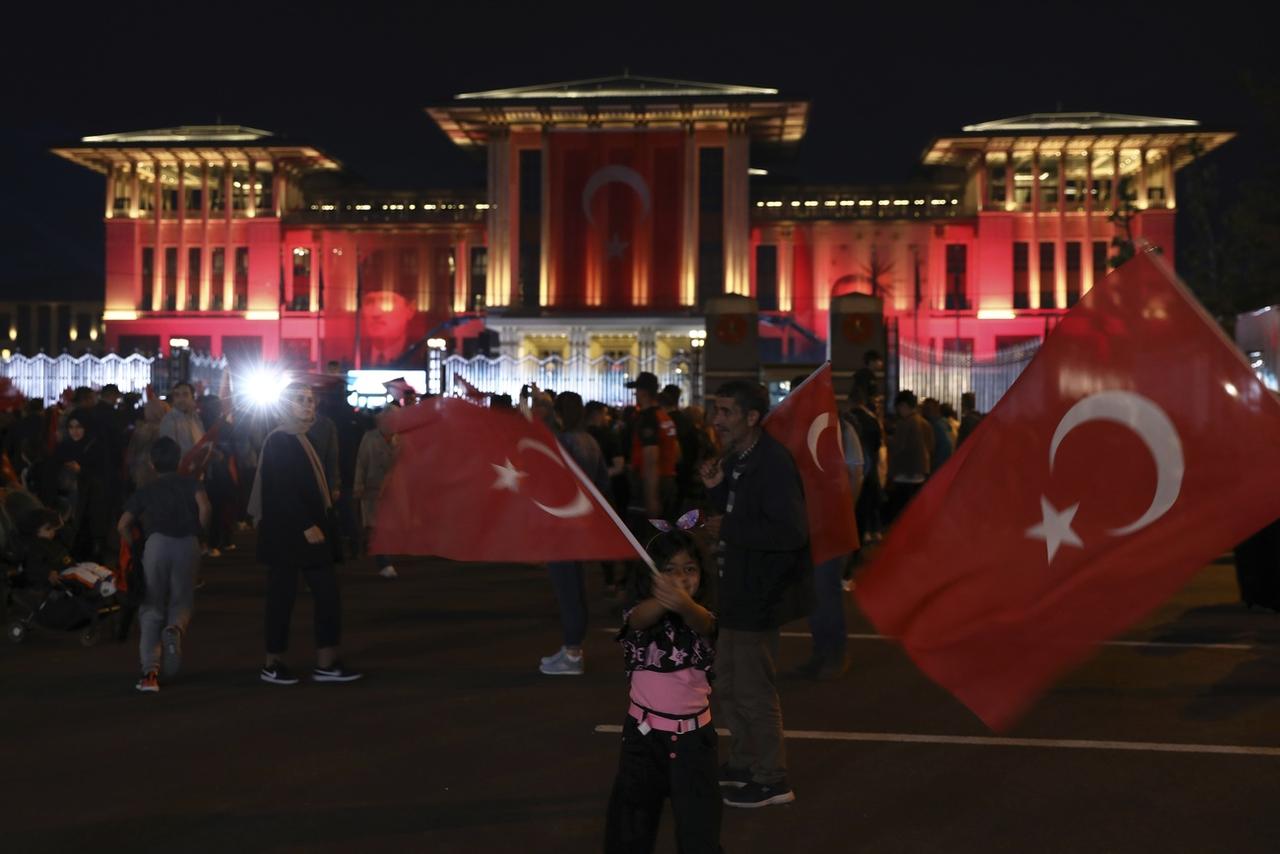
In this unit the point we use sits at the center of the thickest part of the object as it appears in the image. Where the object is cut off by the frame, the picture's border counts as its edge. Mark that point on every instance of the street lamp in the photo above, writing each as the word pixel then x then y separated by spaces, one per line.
pixel 697 340
pixel 435 366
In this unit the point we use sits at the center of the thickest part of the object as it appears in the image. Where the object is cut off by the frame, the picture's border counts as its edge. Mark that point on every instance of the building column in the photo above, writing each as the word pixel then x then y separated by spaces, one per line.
pixel 278 185
pixel 1143 201
pixel 206 258
pixel 647 349
pixel 689 223
pixel 1170 182
pixel 786 269
pixel 461 274
pixel 501 259
pixel 157 254
pixel 1060 239
pixel 736 271
pixel 135 190
pixel 229 249
pixel 314 273
pixel 181 286
pixel 251 197
pixel 548 293
pixel 1086 251
pixel 108 207
pixel 1033 265
pixel 424 280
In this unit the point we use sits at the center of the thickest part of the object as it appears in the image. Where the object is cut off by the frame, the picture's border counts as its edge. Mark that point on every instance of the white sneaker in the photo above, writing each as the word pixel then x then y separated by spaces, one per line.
pixel 388 572
pixel 562 664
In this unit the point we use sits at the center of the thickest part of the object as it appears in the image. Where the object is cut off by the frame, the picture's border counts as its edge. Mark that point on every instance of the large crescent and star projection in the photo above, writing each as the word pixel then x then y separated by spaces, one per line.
pixel 615 175
pixel 1149 423
pixel 509 478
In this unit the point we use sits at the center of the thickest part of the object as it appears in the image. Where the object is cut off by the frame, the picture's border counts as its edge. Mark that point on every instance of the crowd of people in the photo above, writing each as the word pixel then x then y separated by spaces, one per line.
pixel 717 502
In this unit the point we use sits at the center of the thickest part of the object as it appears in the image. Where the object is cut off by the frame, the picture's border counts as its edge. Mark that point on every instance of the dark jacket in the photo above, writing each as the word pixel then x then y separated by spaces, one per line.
pixel 766 577
pixel 291 503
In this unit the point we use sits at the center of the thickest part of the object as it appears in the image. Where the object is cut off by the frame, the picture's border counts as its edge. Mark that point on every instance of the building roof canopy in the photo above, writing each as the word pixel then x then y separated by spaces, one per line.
pixel 624 86
pixel 186 133
pixel 216 144
pixel 1047 122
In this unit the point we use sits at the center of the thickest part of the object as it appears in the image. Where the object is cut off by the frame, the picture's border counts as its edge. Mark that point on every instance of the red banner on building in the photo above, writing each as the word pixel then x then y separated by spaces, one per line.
pixel 616 218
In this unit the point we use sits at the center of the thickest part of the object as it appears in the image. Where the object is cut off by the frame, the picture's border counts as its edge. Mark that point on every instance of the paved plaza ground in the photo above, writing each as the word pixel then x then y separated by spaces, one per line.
pixel 455 743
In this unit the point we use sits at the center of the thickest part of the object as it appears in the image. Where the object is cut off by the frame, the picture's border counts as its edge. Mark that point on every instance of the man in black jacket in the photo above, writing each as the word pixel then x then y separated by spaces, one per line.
pixel 764 581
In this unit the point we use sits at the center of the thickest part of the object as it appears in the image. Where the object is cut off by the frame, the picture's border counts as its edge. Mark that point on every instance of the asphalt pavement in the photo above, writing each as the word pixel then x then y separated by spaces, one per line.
pixel 1168 741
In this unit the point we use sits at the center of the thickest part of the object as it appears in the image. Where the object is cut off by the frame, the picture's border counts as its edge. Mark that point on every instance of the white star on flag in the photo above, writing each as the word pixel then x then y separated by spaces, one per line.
pixel 1055 527
pixel 615 247
pixel 508 476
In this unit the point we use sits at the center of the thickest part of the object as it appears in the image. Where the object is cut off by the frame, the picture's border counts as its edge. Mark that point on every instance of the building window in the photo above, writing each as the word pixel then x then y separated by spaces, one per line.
pixel 121 184
pixel 264 190
pixel 169 190
pixel 710 223
pixel 1049 165
pixel 997 178
pixel 767 277
pixel 217 190
pixel 1074 274
pixel 301 279
pixel 1023 163
pixel 1156 197
pixel 169 296
pixel 1101 266
pixel 148 278
pixel 1022 275
pixel 193 278
pixel 1130 163
pixel 146 187
pixel 1046 275
pixel 1104 174
pixel 241 297
pixel 1075 171
pixel 239 188
pixel 530 259
pixel 193 195
pixel 479 276
pixel 217 277
pixel 957 298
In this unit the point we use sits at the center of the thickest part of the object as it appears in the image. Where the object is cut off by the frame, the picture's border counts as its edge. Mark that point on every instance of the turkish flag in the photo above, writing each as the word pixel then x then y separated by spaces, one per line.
pixel 472 483
pixel 1135 448
pixel 194 461
pixel 808 423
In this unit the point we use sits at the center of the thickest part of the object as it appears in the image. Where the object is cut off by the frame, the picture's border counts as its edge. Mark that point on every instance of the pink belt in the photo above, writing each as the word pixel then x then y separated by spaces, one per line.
pixel 647 719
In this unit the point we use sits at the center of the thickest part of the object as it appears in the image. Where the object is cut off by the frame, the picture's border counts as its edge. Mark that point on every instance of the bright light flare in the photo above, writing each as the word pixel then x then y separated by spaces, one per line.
pixel 261 387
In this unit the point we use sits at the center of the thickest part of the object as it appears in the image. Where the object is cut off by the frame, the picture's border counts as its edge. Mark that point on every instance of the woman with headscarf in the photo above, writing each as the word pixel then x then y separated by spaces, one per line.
pixel 81 470
pixel 290 503
pixel 137 455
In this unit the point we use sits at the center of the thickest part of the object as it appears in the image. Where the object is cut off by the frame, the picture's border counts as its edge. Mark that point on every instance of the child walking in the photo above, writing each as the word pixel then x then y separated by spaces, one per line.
pixel 669 748
pixel 173 510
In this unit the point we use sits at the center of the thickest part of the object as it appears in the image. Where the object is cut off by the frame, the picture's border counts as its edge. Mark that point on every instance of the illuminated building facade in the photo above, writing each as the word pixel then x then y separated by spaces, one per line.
pixel 613 210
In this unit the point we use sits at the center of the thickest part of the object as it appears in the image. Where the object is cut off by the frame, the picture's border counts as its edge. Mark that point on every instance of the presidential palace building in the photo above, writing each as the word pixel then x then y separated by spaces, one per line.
pixel 615 211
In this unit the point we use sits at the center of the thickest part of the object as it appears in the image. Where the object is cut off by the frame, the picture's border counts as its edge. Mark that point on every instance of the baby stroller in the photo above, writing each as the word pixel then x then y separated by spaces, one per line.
pixel 85 601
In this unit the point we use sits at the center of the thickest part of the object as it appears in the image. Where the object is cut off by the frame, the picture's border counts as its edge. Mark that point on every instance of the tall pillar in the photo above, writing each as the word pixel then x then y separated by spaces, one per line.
pixel 786 269
pixel 502 260
pixel 1034 261
pixel 135 190
pixel 181 286
pixel 736 270
pixel 461 274
pixel 548 293
pixel 1170 182
pixel 1143 201
pixel 229 249
pixel 251 197
pixel 108 207
pixel 1060 242
pixel 157 254
pixel 278 185
pixel 1086 251
pixel 689 222
pixel 206 259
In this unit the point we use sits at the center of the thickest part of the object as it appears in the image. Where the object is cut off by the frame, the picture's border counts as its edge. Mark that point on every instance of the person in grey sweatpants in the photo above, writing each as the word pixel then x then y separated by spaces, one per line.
pixel 173 510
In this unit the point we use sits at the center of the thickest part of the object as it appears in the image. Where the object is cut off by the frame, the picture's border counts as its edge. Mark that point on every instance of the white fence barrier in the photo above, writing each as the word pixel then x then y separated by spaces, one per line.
pixel 946 376
pixel 595 379
pixel 43 377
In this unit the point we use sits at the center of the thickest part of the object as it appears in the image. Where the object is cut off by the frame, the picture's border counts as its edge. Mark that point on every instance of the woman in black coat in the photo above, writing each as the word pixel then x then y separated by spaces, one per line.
pixel 82 471
pixel 290 503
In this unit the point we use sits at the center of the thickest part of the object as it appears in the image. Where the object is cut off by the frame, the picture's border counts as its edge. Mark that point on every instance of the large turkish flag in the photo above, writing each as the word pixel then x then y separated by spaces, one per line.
pixel 472 483
pixel 616 218
pixel 1134 449
pixel 808 423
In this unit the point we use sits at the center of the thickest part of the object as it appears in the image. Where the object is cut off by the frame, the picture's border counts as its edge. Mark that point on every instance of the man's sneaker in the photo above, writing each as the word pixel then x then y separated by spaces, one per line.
pixel 388 572
pixel 755 795
pixel 562 664
pixel 278 674
pixel 149 683
pixel 171 649
pixel 334 673
pixel 734 778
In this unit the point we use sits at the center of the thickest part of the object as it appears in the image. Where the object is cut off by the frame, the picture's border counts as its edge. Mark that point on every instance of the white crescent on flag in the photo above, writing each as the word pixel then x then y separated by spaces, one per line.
pixel 618 175
pixel 580 506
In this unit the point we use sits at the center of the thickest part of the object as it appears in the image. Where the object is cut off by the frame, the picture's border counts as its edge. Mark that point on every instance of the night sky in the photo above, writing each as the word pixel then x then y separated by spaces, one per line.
pixel 353 80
